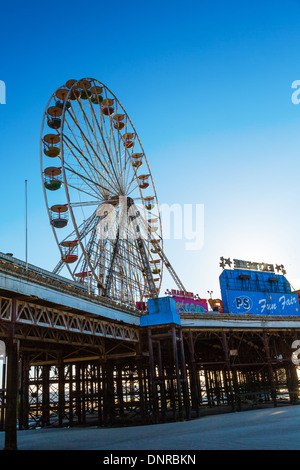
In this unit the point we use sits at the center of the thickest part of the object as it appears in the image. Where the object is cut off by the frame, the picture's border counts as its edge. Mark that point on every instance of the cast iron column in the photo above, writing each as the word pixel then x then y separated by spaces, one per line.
pixel 12 383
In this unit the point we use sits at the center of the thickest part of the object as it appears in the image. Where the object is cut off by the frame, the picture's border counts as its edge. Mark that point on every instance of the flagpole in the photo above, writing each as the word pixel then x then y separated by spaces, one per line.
pixel 26 237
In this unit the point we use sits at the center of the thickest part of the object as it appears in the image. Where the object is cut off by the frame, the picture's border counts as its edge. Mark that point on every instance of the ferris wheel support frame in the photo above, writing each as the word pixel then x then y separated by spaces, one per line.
pixel 165 260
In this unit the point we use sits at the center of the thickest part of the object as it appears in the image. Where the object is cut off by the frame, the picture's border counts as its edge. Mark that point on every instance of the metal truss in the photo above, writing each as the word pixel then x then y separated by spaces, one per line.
pixel 45 322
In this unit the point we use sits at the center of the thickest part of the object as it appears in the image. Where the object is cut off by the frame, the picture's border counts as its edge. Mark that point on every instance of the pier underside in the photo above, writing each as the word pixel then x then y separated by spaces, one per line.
pixel 58 377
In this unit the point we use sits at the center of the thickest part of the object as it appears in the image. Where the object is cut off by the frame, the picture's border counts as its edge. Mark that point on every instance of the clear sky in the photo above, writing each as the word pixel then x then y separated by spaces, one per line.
pixel 208 88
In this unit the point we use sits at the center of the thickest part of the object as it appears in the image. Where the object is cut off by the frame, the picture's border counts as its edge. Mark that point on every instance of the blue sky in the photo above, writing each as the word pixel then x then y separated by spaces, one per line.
pixel 208 88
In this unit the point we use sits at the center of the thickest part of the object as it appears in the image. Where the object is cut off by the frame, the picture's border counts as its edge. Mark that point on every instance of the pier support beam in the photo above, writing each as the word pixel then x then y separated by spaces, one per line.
pixel 193 375
pixel 109 397
pixel 12 383
pixel 61 391
pixel 168 376
pixel 46 394
pixel 142 392
pixel 231 372
pixel 265 340
pixel 24 393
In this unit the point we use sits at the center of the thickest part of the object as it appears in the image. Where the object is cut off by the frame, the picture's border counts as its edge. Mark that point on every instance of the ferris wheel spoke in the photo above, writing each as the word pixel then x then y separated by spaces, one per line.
pixel 93 137
pixel 88 182
pixel 95 120
pixel 132 189
pixel 111 164
pixel 87 122
pixel 89 165
pixel 117 150
pixel 126 167
pixel 133 177
pixel 88 147
pixel 85 203
pixel 108 154
pixel 125 170
pixel 90 128
pixel 82 191
pixel 113 181
pixel 76 147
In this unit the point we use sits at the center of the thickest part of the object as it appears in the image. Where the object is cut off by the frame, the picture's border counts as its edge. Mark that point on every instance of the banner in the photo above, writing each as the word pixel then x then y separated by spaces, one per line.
pixel 186 305
pixel 262 303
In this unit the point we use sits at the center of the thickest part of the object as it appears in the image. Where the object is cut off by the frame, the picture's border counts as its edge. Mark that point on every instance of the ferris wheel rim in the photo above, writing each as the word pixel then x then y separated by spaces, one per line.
pixel 65 179
pixel 44 189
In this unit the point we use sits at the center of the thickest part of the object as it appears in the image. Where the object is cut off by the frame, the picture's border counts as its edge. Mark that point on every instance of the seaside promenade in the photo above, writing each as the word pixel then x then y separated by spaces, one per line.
pixel 265 429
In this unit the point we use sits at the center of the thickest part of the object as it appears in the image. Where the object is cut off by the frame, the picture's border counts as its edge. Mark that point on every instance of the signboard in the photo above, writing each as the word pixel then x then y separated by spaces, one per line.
pixel 240 264
pixel 262 303
pixel 182 293
pixel 190 305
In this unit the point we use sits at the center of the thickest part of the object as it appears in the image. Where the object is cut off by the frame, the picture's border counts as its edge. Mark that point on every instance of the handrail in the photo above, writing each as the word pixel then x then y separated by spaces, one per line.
pixel 36 269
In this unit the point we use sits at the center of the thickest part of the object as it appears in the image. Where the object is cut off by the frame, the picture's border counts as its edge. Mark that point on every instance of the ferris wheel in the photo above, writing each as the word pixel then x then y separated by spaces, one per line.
pixel 100 194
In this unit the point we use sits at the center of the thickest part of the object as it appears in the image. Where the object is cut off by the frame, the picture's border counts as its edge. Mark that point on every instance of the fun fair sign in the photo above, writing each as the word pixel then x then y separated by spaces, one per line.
pixel 261 303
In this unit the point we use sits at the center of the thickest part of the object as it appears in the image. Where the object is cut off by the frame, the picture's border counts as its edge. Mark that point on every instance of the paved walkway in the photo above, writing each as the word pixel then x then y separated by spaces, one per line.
pixel 275 428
